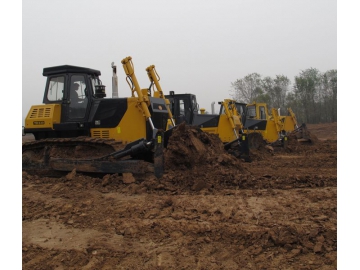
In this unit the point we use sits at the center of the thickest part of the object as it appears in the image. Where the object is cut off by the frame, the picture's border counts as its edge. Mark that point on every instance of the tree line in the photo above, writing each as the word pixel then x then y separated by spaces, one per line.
pixel 312 96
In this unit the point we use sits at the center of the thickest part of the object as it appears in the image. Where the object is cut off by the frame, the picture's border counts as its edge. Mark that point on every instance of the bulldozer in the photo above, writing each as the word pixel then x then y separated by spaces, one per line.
pixel 124 134
pixel 274 128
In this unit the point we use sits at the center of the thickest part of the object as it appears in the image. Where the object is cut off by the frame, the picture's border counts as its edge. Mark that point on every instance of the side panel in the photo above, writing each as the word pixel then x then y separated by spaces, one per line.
pixel 251 124
pixel 43 116
pixel 107 113
pixel 206 120
pixel 130 127
pixel 223 129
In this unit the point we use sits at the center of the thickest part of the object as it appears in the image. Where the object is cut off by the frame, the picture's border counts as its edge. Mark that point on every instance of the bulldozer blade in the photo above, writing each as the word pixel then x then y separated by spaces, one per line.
pixel 245 151
pixel 159 154
pixel 239 147
pixel 302 134
pixel 256 140
pixel 285 141
pixel 102 166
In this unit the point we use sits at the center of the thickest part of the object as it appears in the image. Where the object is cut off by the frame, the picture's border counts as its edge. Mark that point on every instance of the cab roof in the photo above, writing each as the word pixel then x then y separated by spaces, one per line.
pixel 69 69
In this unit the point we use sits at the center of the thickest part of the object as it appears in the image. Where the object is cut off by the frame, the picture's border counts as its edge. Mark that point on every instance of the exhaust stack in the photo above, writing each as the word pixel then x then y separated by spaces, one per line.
pixel 114 82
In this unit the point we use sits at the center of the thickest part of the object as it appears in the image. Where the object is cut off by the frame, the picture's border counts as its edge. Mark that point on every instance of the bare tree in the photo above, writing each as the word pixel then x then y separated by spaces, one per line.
pixel 281 89
pixel 306 89
pixel 246 89
pixel 268 86
pixel 329 95
pixel 276 89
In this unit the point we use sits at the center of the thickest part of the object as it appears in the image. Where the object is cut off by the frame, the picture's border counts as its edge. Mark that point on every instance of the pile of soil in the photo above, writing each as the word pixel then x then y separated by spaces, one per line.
pixel 198 160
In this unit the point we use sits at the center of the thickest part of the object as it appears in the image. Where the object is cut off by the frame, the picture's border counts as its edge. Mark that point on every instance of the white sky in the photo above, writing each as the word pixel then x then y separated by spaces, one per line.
pixel 197 47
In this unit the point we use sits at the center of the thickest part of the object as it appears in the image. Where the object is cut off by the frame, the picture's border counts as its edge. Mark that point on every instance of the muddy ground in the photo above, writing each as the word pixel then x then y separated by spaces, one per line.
pixel 209 211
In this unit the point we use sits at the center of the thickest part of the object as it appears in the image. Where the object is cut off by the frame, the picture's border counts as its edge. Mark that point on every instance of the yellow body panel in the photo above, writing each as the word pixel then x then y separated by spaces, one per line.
pixel 224 129
pixel 270 134
pixel 43 116
pixel 229 122
pixel 288 123
pixel 131 127
pixel 211 130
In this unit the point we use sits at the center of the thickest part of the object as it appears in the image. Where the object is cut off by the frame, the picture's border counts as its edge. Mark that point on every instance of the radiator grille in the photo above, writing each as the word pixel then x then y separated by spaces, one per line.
pixel 105 134
pixel 41 113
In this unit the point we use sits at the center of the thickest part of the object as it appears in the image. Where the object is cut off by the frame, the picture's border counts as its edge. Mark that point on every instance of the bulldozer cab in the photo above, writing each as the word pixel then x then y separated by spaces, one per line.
pixel 249 115
pixel 183 107
pixel 241 108
pixel 257 111
pixel 73 88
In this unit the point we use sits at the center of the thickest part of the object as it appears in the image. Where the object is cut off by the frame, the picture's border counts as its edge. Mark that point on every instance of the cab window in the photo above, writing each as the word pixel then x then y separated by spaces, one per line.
pixel 55 91
pixel 78 98
pixel 262 113
pixel 251 112
pixel 194 105
pixel 182 107
pixel 78 86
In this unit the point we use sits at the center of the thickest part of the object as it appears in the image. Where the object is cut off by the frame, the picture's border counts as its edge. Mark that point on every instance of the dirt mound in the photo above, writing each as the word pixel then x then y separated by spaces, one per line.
pixel 198 160
pixel 189 146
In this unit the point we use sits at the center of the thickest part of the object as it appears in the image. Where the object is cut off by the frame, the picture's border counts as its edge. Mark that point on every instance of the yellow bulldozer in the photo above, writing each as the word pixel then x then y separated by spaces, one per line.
pixel 124 134
pixel 275 128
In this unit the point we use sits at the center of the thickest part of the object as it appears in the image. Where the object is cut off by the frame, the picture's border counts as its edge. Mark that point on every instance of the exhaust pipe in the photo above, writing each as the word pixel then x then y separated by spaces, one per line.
pixel 114 82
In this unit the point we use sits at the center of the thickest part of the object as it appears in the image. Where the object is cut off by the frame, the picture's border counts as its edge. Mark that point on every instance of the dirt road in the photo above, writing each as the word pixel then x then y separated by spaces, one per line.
pixel 209 211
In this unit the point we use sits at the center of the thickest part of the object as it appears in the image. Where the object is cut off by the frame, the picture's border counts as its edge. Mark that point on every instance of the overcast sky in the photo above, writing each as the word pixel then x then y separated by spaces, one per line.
pixel 198 47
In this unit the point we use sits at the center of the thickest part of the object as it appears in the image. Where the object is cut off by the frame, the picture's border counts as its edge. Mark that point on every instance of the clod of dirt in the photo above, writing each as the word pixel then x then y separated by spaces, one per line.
pixel 128 178
pixel 71 175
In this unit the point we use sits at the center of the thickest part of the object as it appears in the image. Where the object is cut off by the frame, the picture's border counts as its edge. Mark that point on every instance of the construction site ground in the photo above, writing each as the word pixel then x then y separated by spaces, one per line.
pixel 209 210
